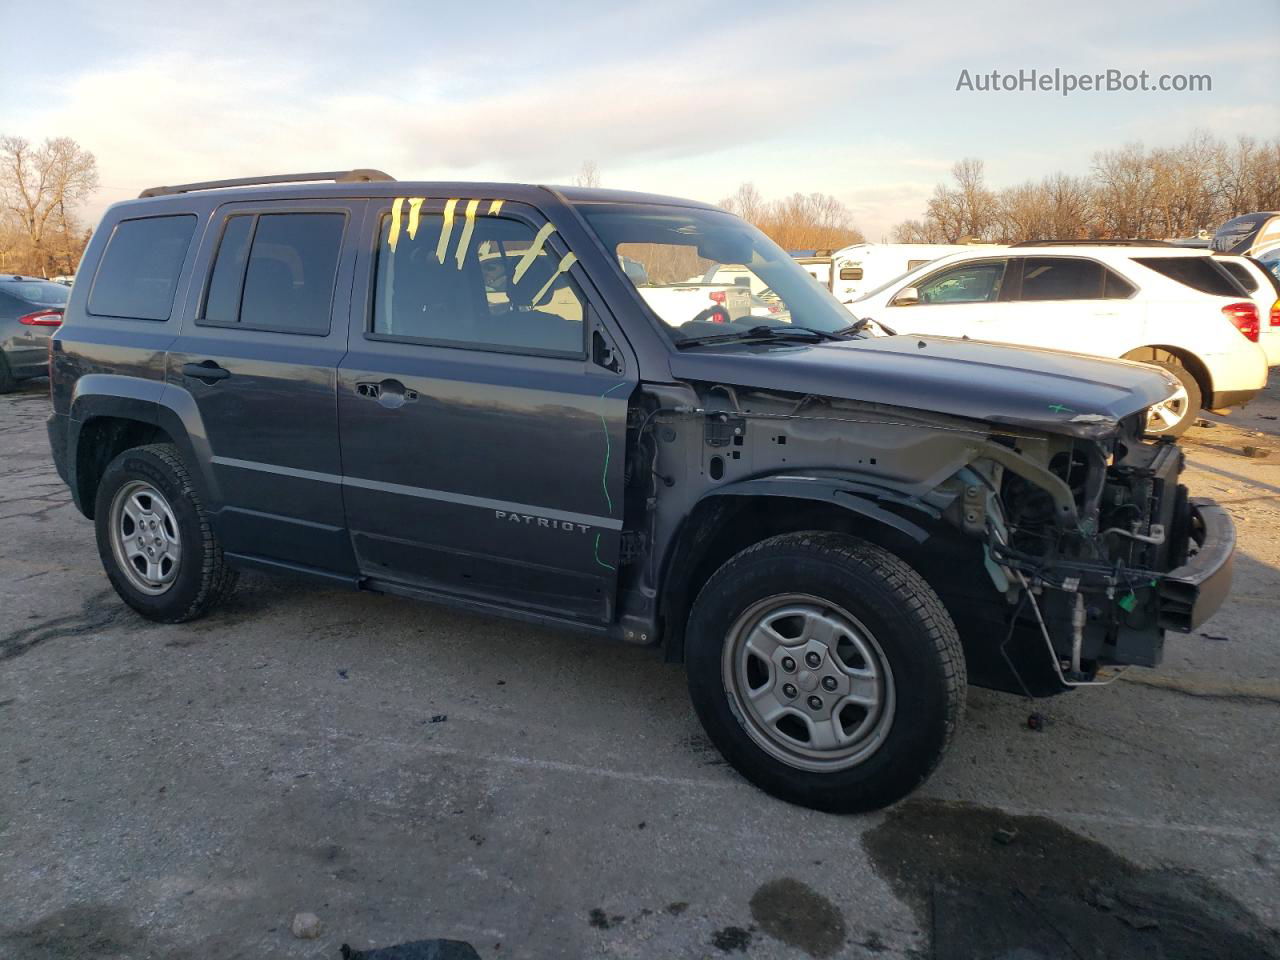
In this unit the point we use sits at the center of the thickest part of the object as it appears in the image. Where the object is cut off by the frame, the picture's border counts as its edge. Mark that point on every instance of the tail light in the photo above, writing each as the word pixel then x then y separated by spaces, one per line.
pixel 42 318
pixel 1245 317
pixel 717 296
pixel 1275 314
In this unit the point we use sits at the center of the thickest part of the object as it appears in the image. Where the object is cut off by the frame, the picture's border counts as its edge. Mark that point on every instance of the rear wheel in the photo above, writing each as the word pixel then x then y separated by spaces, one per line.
pixel 154 538
pixel 826 671
pixel 1174 416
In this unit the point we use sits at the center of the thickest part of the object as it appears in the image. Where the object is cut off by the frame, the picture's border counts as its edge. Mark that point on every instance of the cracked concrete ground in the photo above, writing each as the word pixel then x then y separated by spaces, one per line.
pixel 407 772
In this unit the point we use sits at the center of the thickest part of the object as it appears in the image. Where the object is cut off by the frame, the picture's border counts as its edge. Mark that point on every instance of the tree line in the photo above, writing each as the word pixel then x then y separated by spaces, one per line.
pixel 1129 192
pixel 41 187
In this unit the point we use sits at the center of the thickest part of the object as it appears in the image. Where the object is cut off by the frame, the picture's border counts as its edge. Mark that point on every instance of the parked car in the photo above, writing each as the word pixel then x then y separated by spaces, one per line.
pixel 1171 306
pixel 30 310
pixel 833 532
pixel 1249 234
pixel 1263 287
pixel 1270 260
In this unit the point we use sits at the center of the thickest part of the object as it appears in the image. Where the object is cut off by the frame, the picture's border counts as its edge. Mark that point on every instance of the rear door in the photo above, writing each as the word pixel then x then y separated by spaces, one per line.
pixel 257 361
pixel 483 448
pixel 1069 303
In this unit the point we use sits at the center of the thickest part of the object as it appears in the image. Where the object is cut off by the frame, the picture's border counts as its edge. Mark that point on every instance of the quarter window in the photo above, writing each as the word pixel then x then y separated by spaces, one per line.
pixel 138 275
pixel 965 283
pixel 276 271
pixel 1198 273
pixel 486 282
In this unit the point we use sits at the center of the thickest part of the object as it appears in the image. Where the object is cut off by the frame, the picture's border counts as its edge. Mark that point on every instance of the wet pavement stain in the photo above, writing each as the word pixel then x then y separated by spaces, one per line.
pixel 79 933
pixel 799 916
pixel 1049 893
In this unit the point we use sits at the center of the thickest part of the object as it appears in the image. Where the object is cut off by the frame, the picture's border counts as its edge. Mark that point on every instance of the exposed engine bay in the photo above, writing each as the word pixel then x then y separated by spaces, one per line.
pixel 1061 555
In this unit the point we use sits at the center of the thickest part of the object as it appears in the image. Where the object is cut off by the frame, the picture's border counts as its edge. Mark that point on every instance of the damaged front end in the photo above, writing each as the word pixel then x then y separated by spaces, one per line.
pixel 1096 544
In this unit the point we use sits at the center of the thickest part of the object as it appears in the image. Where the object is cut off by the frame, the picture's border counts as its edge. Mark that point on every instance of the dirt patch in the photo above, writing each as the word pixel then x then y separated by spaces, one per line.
pixel 990 884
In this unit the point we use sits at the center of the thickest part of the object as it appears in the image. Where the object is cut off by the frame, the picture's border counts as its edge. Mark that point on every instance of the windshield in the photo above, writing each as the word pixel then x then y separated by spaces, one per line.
pixel 705 273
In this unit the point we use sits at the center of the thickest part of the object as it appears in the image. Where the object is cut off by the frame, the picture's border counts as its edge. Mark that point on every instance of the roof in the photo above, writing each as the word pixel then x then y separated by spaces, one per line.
pixel 375 183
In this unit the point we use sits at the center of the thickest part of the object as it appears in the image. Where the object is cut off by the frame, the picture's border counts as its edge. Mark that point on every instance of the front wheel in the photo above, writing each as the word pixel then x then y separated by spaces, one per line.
pixel 825 670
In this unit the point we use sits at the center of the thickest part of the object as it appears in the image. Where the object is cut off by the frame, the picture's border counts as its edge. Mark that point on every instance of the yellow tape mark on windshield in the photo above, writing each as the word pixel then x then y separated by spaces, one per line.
pixel 415 204
pixel 567 261
pixel 445 230
pixel 394 236
pixel 494 207
pixel 532 253
pixel 465 240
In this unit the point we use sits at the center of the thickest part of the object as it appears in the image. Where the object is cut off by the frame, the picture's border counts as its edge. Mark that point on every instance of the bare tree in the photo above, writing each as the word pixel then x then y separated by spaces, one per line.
pixel 588 174
pixel 40 187
pixel 747 202
pixel 918 231
pixel 1131 192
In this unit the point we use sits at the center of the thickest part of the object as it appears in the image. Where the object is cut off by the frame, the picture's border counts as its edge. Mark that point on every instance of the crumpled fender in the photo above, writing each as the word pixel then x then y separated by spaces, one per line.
pixel 858 496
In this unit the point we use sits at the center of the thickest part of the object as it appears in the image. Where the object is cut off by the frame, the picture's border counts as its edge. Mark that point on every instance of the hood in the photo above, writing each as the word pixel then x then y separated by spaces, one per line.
pixel 1065 393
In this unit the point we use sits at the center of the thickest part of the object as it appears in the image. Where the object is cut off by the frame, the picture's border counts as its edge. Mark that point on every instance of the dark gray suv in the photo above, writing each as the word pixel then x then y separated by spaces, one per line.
pixel 455 392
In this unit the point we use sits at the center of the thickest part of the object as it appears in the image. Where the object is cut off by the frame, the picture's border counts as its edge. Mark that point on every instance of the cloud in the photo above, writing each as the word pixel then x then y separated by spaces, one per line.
pixel 851 99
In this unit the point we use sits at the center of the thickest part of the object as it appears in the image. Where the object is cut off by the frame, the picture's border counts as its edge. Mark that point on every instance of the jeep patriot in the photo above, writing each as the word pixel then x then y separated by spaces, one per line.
pixel 455 392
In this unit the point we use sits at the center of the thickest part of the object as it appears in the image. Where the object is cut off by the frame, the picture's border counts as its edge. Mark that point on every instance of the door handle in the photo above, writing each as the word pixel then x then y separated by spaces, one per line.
pixel 391 394
pixel 206 370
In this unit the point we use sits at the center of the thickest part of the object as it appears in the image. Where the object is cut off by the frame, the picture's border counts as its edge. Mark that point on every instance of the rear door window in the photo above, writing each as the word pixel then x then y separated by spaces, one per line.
pixel 276 271
pixel 1198 273
pixel 138 275
pixel 1061 278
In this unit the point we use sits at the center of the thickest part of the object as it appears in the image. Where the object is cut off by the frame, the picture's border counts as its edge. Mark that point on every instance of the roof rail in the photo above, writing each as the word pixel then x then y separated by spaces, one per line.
pixel 337 176
pixel 1094 243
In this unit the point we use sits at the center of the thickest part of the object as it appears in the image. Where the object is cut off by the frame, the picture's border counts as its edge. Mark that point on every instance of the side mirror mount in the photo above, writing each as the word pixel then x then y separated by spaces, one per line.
pixel 906 296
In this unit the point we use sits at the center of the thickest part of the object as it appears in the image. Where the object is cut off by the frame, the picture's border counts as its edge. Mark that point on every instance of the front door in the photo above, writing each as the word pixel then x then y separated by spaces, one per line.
pixel 961 300
pixel 482 448
pixel 257 358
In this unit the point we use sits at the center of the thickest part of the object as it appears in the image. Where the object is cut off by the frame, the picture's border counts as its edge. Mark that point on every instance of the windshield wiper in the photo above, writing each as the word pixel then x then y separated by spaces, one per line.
pixel 763 332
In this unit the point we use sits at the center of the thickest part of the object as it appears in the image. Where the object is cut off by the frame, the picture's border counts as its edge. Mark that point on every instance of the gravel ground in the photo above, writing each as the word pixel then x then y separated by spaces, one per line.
pixel 406 772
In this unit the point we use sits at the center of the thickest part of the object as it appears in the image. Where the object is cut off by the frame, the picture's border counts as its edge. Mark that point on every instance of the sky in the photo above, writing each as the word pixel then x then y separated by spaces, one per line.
pixel 856 99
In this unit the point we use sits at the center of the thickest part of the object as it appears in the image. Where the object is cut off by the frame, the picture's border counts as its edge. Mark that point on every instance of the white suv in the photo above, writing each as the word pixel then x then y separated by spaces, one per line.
pixel 1171 306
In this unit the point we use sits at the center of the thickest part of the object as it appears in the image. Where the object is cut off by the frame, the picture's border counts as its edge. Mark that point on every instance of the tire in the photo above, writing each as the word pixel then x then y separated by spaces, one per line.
pixel 191 575
pixel 882 614
pixel 7 383
pixel 1190 404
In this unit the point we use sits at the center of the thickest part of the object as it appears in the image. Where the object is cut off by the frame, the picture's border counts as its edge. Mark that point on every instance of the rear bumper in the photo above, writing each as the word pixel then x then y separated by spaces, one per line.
pixel 28 361
pixel 1193 592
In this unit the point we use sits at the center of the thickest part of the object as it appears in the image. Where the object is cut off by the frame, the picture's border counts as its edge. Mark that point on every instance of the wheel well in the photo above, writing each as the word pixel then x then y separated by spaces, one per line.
pixel 101 440
pixel 721 527
pixel 1193 364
